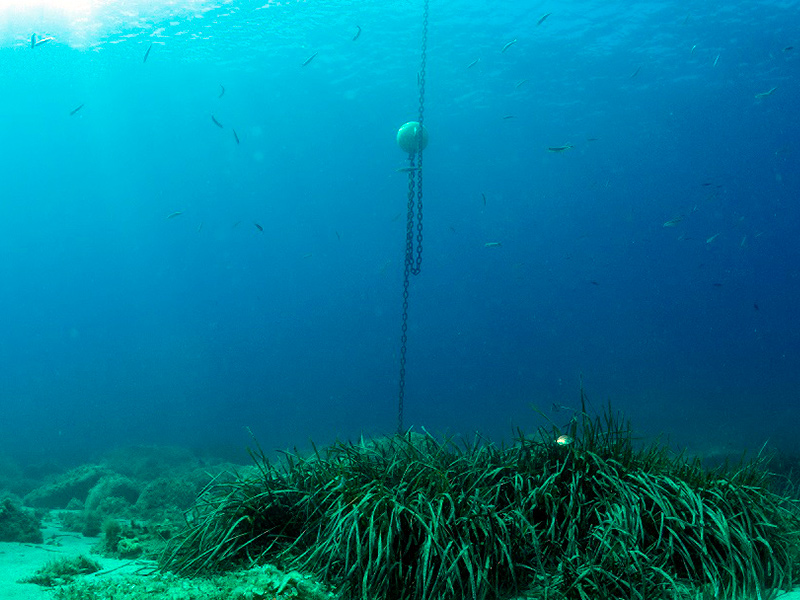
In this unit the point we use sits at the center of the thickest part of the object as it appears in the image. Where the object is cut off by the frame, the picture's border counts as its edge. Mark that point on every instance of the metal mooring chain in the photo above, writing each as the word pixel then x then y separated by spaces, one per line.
pixel 413 266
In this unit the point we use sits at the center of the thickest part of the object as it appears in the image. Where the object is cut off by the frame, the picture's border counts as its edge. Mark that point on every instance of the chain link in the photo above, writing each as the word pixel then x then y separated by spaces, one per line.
pixel 412 265
pixel 418 266
pixel 407 269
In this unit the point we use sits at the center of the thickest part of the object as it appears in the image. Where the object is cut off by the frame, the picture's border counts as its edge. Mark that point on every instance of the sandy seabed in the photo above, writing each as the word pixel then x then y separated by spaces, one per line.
pixel 18 561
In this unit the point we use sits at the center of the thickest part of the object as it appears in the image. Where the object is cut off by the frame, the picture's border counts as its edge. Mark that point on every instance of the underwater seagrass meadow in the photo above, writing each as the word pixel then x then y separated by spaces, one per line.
pixel 399 300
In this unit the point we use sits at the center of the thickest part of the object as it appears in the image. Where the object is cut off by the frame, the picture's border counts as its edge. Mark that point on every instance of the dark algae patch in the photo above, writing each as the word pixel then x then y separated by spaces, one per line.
pixel 63 570
pixel 19 524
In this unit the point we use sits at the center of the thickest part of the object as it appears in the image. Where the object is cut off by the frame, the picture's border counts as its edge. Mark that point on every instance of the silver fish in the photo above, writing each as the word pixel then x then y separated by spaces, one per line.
pixel 37 41
pixel 508 45
pixel 767 93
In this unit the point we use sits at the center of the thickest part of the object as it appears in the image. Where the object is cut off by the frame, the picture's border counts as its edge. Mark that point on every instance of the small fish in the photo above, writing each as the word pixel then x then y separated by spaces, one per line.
pixel 742 243
pixel 788 48
pixel 519 83
pixel 712 238
pixel 673 222
pixel 200 227
pixel 508 45
pixel 542 19
pixel 484 198
pixel 473 63
pixel 492 245
pixel 37 41
pixel 593 282
pixel 222 91
pixel 564 440
pixel 309 255
pixel 592 139
pixel 507 117
pixel 309 59
pixel 755 306
pixel 235 136
pixel 358 33
pixel 177 213
pixel 407 169
pixel 560 148
pixel 559 407
pixel 75 110
pixel 716 284
pixel 716 60
pixel 636 72
pixel 452 229
pixel 217 123
pixel 259 227
pixel 767 93
pixel 146 54
pixel 338 237
pixel 693 49
pixel 396 217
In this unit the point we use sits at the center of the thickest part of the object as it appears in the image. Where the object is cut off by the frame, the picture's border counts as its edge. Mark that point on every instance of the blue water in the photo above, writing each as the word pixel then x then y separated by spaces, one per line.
pixel 123 326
